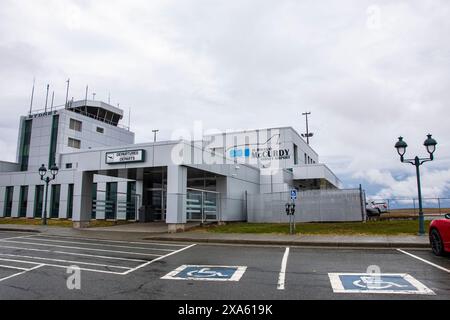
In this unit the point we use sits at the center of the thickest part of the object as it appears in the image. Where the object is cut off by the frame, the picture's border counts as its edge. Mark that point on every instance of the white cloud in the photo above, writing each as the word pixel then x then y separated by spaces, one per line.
pixel 244 64
pixel 434 183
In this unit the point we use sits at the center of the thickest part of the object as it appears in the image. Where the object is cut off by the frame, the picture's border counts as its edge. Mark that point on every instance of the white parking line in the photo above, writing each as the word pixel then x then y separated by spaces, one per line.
pixel 20 273
pixel 11 267
pixel 160 258
pixel 112 241
pixel 73 254
pixel 81 248
pixel 102 245
pixel 282 277
pixel 423 260
pixel 18 237
pixel 64 261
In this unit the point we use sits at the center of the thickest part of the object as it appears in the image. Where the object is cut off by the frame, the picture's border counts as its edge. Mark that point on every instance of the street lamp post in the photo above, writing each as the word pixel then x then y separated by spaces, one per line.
pixel 43 172
pixel 430 145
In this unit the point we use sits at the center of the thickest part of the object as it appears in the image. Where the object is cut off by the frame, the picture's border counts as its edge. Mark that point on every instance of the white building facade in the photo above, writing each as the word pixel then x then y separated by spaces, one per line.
pixel 103 174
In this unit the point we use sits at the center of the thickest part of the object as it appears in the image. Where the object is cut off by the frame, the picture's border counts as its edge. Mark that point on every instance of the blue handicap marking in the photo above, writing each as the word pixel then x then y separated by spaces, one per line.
pixel 293 194
pixel 211 273
pixel 377 283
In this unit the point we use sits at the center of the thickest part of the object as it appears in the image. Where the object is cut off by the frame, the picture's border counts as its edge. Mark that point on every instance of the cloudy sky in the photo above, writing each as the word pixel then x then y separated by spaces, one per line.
pixel 369 71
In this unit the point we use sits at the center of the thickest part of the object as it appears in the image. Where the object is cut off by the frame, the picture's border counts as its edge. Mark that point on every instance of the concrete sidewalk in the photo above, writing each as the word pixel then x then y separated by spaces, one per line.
pixel 299 240
pixel 130 234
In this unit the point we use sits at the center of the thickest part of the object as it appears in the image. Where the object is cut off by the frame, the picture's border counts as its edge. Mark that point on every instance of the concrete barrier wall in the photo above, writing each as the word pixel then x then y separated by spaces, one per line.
pixel 311 206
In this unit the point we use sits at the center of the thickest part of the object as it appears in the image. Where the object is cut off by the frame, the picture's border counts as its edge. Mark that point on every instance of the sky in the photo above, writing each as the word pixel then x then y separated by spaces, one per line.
pixel 368 71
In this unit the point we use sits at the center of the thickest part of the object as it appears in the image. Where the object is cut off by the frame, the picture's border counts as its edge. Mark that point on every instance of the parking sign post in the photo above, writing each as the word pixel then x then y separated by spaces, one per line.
pixel 290 211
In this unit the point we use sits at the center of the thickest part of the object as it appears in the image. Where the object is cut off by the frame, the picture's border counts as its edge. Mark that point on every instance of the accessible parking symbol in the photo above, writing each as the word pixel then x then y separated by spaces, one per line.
pixel 206 273
pixel 377 283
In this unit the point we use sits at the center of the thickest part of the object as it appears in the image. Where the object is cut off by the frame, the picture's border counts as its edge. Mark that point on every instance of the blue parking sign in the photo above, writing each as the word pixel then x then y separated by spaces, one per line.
pixel 206 273
pixel 294 194
pixel 377 283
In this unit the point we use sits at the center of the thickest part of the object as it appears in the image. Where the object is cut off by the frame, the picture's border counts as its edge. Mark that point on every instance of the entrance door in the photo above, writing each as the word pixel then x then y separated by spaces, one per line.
pixel 156 204
pixel 202 205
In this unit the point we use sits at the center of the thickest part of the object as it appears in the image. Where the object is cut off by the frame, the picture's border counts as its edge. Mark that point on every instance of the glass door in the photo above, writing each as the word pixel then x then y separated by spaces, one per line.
pixel 202 205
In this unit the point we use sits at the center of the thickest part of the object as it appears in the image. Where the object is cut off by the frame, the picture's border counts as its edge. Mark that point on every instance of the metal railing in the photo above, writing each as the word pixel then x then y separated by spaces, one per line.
pixel 120 208
pixel 78 111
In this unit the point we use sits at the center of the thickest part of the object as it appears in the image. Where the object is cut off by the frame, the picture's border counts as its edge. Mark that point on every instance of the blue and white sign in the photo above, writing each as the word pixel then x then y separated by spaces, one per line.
pixel 377 283
pixel 294 194
pixel 206 273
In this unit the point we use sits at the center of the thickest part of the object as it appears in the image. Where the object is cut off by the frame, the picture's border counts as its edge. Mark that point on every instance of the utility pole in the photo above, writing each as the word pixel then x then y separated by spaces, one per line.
pixel 308 134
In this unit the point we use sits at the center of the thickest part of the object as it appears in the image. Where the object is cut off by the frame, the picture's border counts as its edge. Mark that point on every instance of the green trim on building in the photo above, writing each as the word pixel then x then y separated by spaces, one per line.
pixel 53 141
pixel 24 151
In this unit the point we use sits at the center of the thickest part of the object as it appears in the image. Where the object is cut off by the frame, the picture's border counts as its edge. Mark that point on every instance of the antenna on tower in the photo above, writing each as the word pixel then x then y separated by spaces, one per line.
pixel 86 96
pixel 129 119
pixel 32 96
pixel 53 99
pixel 46 98
pixel 67 93
pixel 109 97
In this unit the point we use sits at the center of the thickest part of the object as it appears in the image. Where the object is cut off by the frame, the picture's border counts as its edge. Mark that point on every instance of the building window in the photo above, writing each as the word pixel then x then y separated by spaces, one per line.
pixel 131 200
pixel 38 201
pixel 111 201
pixel 75 125
pixel 69 166
pixel 94 201
pixel 295 154
pixel 70 201
pixel 8 201
pixel 23 201
pixel 74 143
pixel 54 201
pixel 100 130
pixel 306 158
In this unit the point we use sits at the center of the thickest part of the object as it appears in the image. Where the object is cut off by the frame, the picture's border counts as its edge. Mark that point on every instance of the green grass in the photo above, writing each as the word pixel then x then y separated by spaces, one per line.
pixel 400 227
pixel 58 223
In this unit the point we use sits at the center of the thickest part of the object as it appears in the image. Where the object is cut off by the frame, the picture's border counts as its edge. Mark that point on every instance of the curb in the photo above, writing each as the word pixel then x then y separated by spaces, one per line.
pixel 297 243
pixel 19 230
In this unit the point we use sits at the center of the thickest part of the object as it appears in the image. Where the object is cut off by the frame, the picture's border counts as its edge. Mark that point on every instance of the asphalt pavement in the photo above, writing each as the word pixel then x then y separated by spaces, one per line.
pixel 42 266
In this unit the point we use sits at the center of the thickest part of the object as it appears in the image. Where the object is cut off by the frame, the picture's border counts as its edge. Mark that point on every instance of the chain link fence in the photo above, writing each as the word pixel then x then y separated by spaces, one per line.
pixel 432 206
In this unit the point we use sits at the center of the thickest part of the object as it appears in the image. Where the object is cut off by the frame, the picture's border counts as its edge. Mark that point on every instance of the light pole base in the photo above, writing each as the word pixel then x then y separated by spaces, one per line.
pixel 421 234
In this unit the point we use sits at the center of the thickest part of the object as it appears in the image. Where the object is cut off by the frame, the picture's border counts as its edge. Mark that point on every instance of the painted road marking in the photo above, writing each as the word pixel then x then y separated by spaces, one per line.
pixel 17 237
pixel 93 265
pixel 81 248
pixel 206 273
pixel 21 273
pixel 282 276
pixel 423 260
pixel 11 267
pixel 157 259
pixel 73 253
pixel 42 240
pixel 63 261
pixel 387 283
pixel 112 241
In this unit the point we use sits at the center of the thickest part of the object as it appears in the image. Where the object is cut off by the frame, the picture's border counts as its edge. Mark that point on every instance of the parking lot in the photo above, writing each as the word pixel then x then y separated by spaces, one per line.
pixel 38 266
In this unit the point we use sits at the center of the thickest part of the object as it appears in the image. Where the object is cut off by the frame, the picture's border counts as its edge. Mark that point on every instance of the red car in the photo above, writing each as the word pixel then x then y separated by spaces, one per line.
pixel 440 235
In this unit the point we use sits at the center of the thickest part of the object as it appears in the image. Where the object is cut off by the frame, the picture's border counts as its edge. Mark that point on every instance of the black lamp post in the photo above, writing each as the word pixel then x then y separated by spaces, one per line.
pixel 430 145
pixel 43 172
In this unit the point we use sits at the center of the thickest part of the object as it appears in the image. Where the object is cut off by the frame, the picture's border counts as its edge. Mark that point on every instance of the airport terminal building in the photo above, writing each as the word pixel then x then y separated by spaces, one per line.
pixel 103 174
